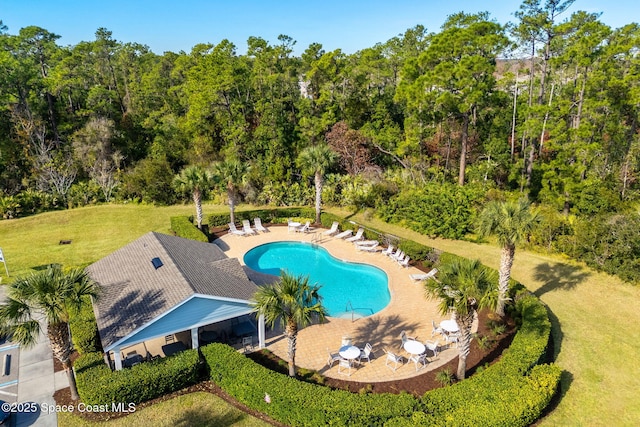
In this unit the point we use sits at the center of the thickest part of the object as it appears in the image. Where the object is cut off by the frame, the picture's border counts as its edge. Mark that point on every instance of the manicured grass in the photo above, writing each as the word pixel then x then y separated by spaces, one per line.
pixel 595 316
pixel 32 243
pixel 195 409
pixel 595 322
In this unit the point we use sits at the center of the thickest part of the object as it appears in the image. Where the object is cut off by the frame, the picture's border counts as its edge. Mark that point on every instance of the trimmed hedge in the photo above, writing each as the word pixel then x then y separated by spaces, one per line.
pixel 84 329
pixel 183 227
pixel 512 392
pixel 272 216
pixel 98 385
pixel 295 402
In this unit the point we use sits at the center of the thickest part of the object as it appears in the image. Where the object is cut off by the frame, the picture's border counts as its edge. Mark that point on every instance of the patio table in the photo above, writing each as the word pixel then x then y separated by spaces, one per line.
pixel 449 326
pixel 349 352
pixel 414 347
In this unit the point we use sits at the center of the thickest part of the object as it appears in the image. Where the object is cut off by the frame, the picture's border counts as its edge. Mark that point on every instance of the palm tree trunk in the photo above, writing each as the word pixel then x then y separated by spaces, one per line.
pixel 464 141
pixel 232 206
pixel 318 182
pixel 292 335
pixel 464 344
pixel 506 261
pixel 197 199
pixel 60 342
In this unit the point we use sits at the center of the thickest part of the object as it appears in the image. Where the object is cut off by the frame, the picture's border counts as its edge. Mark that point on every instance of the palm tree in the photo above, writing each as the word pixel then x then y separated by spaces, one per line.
pixel 462 286
pixel 511 223
pixel 195 180
pixel 315 160
pixel 229 175
pixel 47 296
pixel 292 302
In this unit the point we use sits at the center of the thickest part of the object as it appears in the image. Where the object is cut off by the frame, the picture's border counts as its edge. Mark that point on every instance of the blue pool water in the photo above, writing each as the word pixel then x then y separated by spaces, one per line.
pixel 344 285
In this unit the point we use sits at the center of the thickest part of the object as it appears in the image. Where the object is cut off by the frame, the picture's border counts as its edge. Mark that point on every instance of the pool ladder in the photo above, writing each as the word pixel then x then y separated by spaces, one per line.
pixel 346 308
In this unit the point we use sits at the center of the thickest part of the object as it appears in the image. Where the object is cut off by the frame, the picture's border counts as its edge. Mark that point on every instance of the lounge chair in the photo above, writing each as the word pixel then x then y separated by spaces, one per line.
pixel 257 224
pixel 424 276
pixel 367 246
pixel 405 262
pixel 344 234
pixel 358 236
pixel 333 230
pixel 246 227
pixel 304 228
pixel 398 255
pixel 234 230
pixel 388 251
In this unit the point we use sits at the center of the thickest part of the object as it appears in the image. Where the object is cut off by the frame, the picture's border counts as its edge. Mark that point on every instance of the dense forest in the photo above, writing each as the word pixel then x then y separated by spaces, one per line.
pixel 424 128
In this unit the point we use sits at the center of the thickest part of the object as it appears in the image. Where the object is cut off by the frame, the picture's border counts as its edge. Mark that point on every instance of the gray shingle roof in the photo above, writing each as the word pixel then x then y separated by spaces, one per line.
pixel 134 292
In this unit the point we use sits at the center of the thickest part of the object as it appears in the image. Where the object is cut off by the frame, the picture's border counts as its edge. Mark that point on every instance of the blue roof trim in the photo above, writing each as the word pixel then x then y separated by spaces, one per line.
pixel 193 313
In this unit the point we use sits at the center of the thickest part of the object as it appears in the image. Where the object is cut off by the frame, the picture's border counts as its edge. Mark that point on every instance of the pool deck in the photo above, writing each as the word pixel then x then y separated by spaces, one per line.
pixel 409 310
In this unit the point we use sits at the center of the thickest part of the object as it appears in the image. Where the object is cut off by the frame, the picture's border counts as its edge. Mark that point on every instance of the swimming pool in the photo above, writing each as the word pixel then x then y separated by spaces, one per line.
pixel 347 289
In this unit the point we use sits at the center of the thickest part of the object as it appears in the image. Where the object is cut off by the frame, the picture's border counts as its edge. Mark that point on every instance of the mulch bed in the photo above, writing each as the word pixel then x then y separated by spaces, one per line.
pixel 417 385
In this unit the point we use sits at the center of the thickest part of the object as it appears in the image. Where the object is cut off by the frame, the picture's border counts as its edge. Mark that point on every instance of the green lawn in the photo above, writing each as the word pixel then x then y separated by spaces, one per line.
pixel 594 315
pixel 195 409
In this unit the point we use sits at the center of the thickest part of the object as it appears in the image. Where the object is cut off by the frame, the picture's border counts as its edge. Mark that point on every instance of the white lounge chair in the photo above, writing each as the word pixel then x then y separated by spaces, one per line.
pixel 405 262
pixel 358 236
pixel 388 251
pixel 344 234
pixel 304 228
pixel 424 276
pixel 257 224
pixel 234 230
pixel 246 227
pixel 333 230
pixel 368 248
pixel 398 255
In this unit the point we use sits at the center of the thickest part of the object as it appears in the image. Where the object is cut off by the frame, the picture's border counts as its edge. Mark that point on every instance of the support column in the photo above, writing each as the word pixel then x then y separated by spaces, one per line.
pixel 194 337
pixel 261 343
pixel 117 360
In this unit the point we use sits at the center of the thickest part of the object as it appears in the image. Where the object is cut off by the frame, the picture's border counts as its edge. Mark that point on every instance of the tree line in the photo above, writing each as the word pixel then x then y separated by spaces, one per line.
pixel 545 106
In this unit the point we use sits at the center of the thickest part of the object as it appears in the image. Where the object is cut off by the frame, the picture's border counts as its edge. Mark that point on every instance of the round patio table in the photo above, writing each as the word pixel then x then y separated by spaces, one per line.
pixel 349 352
pixel 449 326
pixel 414 347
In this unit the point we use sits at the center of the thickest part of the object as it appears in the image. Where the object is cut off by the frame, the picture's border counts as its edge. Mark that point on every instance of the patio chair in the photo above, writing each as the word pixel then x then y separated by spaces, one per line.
pixel 452 338
pixel 344 234
pixel 435 329
pixel 247 344
pixel 357 237
pixel 432 346
pixel 257 224
pixel 246 227
pixel 333 230
pixel 333 357
pixel 344 364
pixel 368 248
pixel 393 358
pixel 404 337
pixel 424 276
pixel 365 353
pixel 235 231
pixel 419 359
pixel 398 255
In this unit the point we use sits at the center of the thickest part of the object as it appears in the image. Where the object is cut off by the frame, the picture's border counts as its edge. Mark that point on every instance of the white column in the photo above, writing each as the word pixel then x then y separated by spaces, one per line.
pixel 194 337
pixel 261 331
pixel 117 359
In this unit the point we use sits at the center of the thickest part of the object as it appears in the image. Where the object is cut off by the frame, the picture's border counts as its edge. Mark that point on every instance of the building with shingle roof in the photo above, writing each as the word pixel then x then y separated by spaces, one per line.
pixel 159 285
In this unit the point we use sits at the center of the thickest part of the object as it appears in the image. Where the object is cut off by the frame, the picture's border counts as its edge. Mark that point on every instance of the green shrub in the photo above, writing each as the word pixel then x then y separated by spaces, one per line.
pixel 298 403
pixel 183 227
pixel 98 385
pixel 272 216
pixel 84 330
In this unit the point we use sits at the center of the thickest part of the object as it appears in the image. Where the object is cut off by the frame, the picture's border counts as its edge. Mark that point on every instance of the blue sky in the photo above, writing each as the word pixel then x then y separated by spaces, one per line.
pixel 169 25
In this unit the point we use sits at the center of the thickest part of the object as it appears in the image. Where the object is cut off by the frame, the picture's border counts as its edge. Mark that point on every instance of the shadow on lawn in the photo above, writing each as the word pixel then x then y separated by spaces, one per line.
pixel 201 417
pixel 558 276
